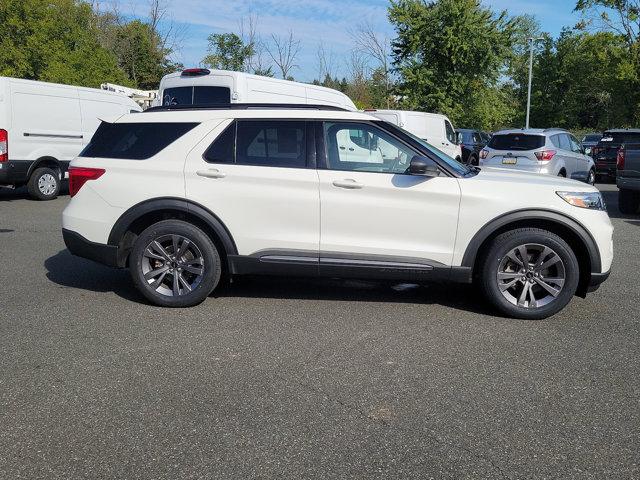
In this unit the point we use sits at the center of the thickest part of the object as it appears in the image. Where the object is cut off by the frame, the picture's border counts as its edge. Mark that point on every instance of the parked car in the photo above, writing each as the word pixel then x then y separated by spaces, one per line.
pixel 605 153
pixel 628 177
pixel 472 142
pixel 201 86
pixel 183 197
pixel 551 151
pixel 589 141
pixel 44 125
pixel 434 128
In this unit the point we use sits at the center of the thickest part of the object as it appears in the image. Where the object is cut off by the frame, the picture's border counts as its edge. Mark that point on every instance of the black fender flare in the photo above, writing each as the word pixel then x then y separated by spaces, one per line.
pixel 61 165
pixel 125 221
pixel 471 252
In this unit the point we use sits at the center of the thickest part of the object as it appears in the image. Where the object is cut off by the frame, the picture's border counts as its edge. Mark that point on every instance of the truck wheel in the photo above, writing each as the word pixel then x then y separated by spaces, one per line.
pixel 44 184
pixel 175 264
pixel 628 201
pixel 529 273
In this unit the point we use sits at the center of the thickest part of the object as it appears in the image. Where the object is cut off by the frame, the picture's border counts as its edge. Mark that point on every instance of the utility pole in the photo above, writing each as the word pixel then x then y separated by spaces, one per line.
pixel 531 41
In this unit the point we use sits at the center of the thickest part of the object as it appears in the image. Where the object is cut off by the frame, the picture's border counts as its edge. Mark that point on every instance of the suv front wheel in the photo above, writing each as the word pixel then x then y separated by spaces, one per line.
pixel 175 264
pixel 529 273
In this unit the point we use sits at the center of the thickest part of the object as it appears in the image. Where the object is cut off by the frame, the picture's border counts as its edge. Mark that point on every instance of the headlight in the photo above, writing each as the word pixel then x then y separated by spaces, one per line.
pixel 592 200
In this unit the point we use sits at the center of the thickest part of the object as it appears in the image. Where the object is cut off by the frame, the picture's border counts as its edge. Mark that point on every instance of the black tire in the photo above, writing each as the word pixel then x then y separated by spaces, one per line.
pixel 628 201
pixel 472 160
pixel 591 177
pixel 199 245
pixel 504 244
pixel 44 184
pixel 562 174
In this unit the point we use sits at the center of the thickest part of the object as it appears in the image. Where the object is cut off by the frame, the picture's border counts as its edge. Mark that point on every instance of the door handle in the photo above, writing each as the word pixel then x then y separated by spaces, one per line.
pixel 342 148
pixel 211 173
pixel 351 149
pixel 348 183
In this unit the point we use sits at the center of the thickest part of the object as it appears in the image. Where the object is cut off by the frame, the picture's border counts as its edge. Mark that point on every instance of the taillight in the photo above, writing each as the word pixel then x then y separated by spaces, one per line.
pixel 545 155
pixel 484 153
pixel 78 176
pixel 620 158
pixel 595 151
pixel 4 145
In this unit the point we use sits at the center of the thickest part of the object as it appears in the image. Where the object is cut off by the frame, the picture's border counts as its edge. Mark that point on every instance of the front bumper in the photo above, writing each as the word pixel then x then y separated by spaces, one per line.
pixel 597 279
pixel 98 252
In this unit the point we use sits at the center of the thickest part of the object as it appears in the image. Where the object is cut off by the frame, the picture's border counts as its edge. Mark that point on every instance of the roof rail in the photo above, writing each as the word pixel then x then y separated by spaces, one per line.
pixel 551 129
pixel 246 106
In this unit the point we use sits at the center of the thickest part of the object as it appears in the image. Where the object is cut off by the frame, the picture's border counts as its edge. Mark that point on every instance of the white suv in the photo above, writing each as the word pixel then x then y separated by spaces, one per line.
pixel 186 196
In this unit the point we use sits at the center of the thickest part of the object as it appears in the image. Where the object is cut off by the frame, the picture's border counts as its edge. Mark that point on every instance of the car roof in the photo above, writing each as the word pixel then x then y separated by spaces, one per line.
pixel 204 115
pixel 530 131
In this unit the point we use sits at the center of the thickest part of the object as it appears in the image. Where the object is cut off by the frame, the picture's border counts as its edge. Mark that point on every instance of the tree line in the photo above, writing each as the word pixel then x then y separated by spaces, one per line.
pixel 457 57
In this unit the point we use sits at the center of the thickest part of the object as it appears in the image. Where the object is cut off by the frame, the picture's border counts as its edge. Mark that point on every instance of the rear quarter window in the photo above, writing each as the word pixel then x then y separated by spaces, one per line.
pixel 134 141
pixel 516 141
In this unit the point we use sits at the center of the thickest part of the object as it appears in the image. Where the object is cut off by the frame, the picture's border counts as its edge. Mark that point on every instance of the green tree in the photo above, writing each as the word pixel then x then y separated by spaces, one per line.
pixel 54 41
pixel 141 54
pixel 448 55
pixel 227 51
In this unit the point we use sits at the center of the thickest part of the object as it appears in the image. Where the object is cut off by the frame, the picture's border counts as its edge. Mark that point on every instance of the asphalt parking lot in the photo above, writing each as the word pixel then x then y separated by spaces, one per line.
pixel 276 378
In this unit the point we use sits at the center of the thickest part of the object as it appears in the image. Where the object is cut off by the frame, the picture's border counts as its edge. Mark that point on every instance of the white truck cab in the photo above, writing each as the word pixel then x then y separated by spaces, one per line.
pixel 201 86
pixel 434 128
pixel 43 126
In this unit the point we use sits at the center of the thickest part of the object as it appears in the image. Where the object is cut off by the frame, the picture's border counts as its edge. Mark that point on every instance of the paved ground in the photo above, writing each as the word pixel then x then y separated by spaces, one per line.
pixel 303 379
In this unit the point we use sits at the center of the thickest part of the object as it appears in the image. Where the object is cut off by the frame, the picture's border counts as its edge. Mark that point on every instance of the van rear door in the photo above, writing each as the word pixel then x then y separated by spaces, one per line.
pixel 209 89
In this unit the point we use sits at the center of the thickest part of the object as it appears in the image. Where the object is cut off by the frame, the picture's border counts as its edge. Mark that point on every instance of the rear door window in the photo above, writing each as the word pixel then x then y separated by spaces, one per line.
pixel 134 141
pixel 565 143
pixel 271 143
pixel 516 141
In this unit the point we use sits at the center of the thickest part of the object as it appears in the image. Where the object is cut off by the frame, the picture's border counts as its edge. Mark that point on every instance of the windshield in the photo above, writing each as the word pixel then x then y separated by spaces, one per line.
pixel 591 138
pixel 454 165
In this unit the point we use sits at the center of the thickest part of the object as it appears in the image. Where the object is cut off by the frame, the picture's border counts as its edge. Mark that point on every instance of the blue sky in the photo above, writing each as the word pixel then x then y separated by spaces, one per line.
pixel 312 22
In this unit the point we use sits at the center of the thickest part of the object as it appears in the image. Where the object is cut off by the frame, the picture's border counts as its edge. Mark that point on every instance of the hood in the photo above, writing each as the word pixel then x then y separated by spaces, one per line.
pixel 496 174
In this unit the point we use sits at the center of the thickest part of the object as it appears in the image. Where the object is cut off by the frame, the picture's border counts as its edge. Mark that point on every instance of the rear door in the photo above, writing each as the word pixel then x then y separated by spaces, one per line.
pixel 566 155
pixel 258 176
pixel 582 161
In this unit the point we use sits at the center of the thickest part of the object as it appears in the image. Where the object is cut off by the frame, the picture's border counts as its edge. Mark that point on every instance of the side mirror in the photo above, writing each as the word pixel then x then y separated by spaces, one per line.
pixel 458 138
pixel 422 166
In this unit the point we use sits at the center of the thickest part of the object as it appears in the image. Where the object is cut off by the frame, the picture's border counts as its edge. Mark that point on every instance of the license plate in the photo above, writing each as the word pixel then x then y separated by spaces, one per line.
pixel 509 160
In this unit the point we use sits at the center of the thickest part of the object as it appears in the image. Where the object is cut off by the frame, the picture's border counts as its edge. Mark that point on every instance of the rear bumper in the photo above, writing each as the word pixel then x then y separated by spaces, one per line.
pixel 604 167
pixel 98 252
pixel 628 183
pixel 14 172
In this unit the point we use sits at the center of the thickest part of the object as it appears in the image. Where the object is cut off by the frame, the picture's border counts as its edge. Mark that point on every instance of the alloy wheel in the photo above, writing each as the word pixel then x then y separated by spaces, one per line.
pixel 531 275
pixel 173 265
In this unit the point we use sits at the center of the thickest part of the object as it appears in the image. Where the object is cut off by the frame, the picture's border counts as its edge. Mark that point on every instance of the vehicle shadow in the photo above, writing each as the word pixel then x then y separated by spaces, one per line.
pixel 457 296
pixel 12 194
pixel 69 271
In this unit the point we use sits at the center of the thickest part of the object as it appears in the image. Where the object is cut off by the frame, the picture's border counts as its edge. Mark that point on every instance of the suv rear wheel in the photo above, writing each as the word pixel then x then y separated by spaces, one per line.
pixel 529 273
pixel 175 264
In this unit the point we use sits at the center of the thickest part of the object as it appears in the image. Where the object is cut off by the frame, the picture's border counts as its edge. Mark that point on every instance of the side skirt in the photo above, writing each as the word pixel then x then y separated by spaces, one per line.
pixel 304 264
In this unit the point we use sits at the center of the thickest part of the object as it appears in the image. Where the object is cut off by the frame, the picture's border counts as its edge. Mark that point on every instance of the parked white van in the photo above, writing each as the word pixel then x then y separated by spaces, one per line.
pixel 43 126
pixel 434 128
pixel 201 86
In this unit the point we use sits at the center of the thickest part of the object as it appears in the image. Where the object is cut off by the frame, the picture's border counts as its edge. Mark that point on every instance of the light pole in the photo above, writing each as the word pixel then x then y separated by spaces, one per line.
pixel 531 41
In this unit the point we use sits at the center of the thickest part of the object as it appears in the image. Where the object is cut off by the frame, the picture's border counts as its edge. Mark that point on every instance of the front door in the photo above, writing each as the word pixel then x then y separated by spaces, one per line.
pixel 373 213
